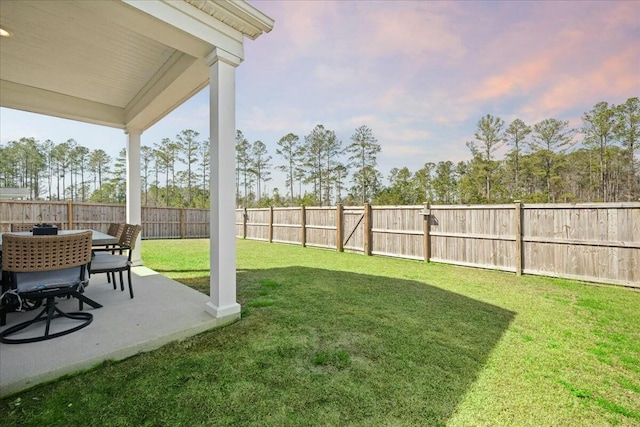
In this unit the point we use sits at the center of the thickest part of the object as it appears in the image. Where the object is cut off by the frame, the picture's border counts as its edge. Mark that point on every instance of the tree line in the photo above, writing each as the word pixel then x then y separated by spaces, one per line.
pixel 316 169
pixel 174 172
pixel 542 162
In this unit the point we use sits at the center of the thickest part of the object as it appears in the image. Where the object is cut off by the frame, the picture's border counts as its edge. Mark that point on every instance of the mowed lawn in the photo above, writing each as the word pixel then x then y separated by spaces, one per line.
pixel 338 339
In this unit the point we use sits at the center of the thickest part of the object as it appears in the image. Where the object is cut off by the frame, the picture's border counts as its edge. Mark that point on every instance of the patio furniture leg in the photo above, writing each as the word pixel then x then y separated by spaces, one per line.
pixel 130 284
pixel 50 309
pixel 121 281
pixel 83 298
pixel 4 306
pixel 50 306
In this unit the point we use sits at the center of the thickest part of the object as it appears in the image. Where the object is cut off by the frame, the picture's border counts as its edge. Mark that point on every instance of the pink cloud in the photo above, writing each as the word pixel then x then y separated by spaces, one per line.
pixel 518 78
pixel 448 62
pixel 413 29
pixel 554 64
pixel 615 79
pixel 372 29
pixel 299 23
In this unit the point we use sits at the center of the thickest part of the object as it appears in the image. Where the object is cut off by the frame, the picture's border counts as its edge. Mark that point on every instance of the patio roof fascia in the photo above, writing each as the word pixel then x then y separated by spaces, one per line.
pixel 242 16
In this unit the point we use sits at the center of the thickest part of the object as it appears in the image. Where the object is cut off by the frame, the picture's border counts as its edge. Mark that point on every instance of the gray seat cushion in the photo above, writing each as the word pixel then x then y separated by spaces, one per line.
pixel 27 282
pixel 104 261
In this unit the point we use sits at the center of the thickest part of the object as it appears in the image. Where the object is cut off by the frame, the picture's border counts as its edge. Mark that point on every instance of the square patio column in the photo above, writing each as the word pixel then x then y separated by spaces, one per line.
pixel 222 110
pixel 134 197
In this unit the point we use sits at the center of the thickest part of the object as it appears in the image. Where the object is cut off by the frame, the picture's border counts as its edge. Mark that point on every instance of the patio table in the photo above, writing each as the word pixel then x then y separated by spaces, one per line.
pixel 97 239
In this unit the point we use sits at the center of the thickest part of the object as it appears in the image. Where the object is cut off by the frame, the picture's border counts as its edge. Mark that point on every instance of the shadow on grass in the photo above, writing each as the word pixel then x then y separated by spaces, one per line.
pixel 314 347
pixel 370 349
pixel 354 348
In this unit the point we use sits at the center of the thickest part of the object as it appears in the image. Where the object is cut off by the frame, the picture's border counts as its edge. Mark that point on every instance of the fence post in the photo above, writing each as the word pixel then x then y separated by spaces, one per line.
pixel 70 214
pixel 183 223
pixel 270 224
pixel 518 227
pixel 426 227
pixel 303 226
pixel 245 215
pixel 339 228
pixel 367 229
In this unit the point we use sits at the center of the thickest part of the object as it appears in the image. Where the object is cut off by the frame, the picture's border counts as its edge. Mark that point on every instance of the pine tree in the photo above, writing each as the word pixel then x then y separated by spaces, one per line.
pixel 291 152
pixel 363 152
pixel 516 135
pixel 550 138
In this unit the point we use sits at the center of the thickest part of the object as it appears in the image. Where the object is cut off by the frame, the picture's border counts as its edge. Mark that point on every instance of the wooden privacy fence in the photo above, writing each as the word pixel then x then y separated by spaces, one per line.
pixel 157 222
pixel 596 242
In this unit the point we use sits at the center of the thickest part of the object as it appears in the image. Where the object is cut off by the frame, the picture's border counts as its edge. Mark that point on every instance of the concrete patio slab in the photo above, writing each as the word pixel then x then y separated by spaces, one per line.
pixel 162 311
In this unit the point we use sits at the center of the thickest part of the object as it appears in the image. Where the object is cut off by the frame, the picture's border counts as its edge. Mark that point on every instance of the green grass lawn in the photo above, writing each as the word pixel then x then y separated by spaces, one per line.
pixel 342 339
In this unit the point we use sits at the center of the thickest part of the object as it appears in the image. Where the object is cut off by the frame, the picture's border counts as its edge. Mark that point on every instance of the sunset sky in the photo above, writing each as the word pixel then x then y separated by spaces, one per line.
pixel 419 74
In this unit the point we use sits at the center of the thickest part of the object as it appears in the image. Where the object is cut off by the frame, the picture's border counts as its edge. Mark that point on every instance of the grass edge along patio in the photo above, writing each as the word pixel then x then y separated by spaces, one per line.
pixel 340 339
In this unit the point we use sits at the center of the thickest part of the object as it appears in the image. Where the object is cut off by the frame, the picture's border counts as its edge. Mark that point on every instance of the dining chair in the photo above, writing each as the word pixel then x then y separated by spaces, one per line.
pixel 8 303
pixel 45 268
pixel 104 261
pixel 115 230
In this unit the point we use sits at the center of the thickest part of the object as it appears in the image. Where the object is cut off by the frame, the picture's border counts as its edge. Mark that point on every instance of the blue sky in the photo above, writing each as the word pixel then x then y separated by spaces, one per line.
pixel 419 74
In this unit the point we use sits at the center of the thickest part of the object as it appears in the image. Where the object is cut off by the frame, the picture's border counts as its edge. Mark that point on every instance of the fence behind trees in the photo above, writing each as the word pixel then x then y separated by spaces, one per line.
pixel 598 242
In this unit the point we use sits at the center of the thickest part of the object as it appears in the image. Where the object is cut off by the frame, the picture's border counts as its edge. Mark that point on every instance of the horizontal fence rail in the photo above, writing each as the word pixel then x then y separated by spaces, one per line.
pixel 596 242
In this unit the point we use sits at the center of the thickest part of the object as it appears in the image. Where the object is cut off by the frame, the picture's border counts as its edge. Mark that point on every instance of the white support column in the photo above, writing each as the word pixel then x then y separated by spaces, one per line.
pixel 134 198
pixel 222 112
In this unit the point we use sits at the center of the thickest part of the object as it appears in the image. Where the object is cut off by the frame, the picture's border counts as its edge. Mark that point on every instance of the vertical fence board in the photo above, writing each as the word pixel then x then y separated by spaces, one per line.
pixel 321 226
pixel 397 231
pixel 241 223
pixel 286 225
pixel 258 224
pixel 594 242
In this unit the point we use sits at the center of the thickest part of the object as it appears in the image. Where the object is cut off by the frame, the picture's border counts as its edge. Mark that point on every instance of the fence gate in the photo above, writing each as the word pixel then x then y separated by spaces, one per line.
pixel 353 225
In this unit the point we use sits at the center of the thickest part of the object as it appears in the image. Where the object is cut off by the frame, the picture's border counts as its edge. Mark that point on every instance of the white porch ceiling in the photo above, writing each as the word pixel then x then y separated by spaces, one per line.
pixel 124 64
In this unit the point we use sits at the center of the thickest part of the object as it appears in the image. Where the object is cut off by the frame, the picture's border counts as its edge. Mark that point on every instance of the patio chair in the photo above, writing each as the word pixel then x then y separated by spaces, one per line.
pixel 9 301
pixel 104 261
pixel 45 268
pixel 8 304
pixel 115 229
